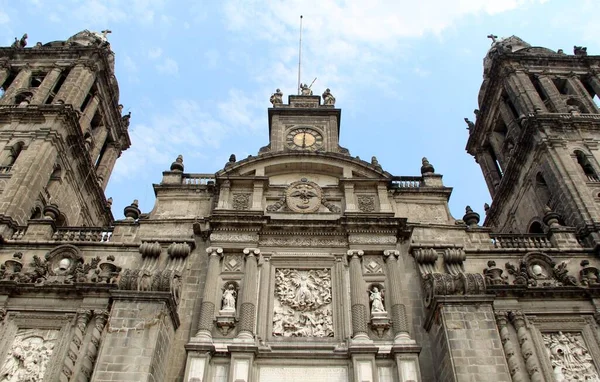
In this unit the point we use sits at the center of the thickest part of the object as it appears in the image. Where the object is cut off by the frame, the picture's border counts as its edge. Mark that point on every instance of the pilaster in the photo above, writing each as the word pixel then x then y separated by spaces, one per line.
pixel 107 163
pixel 394 289
pixel 209 297
pixel 359 305
pixel 42 92
pixel 249 296
pixel 21 81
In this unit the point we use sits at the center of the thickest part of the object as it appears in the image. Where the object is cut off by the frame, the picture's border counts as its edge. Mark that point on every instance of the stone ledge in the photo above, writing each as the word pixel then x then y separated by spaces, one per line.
pixel 439 301
pixel 148 296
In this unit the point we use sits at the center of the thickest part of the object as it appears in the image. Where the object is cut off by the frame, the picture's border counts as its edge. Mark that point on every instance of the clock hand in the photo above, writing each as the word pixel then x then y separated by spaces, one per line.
pixel 304 139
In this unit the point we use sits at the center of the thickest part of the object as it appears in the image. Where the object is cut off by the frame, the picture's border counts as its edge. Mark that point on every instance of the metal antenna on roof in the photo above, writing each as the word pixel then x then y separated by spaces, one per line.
pixel 299 54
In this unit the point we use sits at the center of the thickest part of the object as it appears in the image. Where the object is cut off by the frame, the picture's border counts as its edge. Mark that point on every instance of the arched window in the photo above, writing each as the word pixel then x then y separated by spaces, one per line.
pixel 586 166
pixel 23 99
pixel 536 227
pixel 37 213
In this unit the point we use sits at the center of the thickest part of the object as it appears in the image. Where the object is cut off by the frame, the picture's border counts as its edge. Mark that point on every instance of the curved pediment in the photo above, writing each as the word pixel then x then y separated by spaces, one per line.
pixel 326 165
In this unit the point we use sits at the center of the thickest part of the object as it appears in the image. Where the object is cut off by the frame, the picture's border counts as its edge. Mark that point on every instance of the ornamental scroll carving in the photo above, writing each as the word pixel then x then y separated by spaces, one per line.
pixel 241 201
pixel 28 356
pixel 570 357
pixel 540 270
pixel 303 303
pixel 366 203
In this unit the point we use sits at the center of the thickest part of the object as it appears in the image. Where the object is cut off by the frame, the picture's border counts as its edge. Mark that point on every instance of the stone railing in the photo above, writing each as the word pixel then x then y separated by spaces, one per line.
pixel 531 240
pixel 198 179
pixel 5 169
pixel 406 181
pixel 100 235
pixel 593 178
pixel 19 233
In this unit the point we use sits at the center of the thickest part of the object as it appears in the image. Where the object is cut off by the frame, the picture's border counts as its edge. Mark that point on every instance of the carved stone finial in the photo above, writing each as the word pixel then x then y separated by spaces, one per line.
pixel 22 43
pixel 375 163
pixel 551 218
pixel 109 202
pixel 178 164
pixel 426 167
pixel 276 98
pixel 470 124
pixel 231 161
pixel 486 208
pixel 493 274
pixel 328 98
pixel 471 218
pixel 132 212
pixel 580 50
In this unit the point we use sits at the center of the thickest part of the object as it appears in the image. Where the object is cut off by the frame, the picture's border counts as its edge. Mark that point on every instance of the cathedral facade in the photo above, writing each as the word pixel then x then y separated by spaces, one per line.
pixel 299 263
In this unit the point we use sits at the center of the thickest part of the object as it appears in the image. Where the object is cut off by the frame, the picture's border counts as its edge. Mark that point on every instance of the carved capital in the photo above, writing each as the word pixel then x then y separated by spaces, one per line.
pixel 355 253
pixel 251 251
pixel 517 318
pixel 391 254
pixel 214 251
pixel 501 318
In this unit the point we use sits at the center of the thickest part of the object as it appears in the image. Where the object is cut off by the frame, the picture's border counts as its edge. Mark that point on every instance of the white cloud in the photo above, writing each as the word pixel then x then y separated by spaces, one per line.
pixel 154 53
pixel 158 141
pixel 168 66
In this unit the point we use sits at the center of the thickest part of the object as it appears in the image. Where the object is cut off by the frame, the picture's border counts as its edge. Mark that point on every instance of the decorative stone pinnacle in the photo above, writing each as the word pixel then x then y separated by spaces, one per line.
pixel 486 208
pixel 375 163
pixel 51 211
pixel 178 164
pixel 109 202
pixel 132 212
pixel 471 218
pixel 426 167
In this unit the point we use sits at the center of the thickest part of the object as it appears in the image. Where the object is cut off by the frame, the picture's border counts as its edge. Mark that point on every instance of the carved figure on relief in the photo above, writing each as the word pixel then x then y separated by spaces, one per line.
pixel 570 357
pixel 28 356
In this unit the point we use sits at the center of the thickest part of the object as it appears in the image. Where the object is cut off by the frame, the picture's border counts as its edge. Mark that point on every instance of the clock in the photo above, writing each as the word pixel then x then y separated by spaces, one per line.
pixel 304 138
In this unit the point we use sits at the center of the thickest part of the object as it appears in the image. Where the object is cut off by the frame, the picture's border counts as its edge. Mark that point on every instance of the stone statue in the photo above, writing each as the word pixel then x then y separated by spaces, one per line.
pixel 22 43
pixel 376 301
pixel 229 296
pixel 305 90
pixel 470 124
pixel 577 50
pixel 328 98
pixel 276 98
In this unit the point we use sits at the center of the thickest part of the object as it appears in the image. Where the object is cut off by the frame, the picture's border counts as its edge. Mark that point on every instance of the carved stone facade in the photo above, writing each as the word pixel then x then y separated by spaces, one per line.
pixel 301 261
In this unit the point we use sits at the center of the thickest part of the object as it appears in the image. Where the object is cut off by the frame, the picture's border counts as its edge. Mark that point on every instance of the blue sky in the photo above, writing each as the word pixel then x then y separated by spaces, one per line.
pixel 197 75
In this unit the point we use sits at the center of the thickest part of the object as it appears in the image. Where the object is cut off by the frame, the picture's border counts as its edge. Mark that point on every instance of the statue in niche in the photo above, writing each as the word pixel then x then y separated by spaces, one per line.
pixel 376 300
pixel 229 296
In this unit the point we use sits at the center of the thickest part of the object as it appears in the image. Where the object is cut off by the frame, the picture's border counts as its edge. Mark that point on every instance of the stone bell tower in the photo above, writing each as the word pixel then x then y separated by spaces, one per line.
pixel 61 131
pixel 536 137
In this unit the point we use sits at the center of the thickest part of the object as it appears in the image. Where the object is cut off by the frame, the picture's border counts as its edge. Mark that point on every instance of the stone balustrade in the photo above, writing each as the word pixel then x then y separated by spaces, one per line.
pixel 406 181
pixel 532 240
pixel 101 235
pixel 198 179
pixel 5 169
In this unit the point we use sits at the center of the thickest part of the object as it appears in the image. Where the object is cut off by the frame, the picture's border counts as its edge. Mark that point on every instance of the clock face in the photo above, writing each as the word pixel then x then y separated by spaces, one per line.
pixel 304 138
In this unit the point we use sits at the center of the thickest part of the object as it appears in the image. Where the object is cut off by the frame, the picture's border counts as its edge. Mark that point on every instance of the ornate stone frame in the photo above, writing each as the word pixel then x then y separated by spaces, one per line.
pixel 583 324
pixel 62 322
pixel 337 286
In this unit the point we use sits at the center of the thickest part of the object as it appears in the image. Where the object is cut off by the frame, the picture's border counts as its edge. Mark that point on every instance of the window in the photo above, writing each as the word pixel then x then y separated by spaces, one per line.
pixel 536 227
pixel 15 151
pixel 586 166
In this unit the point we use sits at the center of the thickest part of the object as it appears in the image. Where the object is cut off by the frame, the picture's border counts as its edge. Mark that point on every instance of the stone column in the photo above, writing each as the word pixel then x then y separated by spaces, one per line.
pixel 249 291
pixel 554 97
pixel 490 173
pixel 359 305
pixel 77 85
pixel 85 121
pixel 43 91
pixel 107 162
pixel 263 301
pixel 209 297
pixel 509 348
pixel 87 365
pixel 527 348
pixel 21 81
pixel 593 80
pixel 4 71
pixel 99 136
pixel 30 173
pixel 83 318
pixel 394 293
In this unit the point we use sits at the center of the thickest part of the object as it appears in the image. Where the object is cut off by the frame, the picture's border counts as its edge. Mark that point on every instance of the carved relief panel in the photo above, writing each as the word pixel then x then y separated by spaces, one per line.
pixel 303 303
pixel 28 356
pixel 570 357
